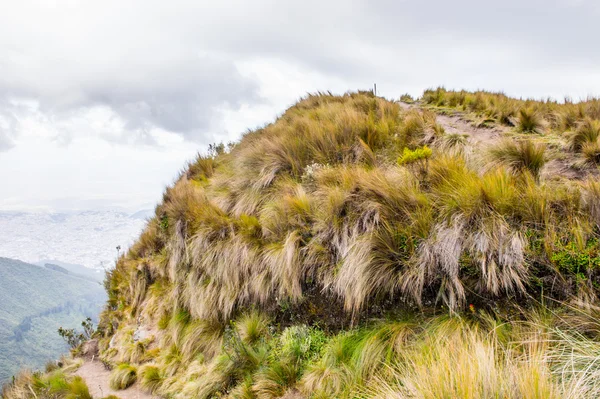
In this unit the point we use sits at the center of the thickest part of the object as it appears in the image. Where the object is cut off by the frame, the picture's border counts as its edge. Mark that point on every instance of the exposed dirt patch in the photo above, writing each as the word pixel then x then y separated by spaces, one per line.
pixel 455 124
pixel 97 376
pixel 486 137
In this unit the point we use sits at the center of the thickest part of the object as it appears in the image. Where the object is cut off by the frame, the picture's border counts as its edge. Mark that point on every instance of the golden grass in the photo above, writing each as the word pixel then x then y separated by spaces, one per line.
pixel 312 215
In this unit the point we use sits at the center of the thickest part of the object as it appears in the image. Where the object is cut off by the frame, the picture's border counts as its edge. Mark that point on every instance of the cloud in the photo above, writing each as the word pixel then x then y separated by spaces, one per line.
pixel 143 66
pixel 108 98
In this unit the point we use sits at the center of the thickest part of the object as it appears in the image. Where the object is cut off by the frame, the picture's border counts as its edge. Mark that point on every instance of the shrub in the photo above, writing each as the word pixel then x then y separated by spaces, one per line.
pixel 123 376
pixel 407 98
pixel 414 156
pixel 418 157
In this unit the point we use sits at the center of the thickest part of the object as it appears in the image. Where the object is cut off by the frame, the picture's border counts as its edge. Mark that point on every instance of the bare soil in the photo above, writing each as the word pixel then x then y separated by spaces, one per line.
pixel 97 376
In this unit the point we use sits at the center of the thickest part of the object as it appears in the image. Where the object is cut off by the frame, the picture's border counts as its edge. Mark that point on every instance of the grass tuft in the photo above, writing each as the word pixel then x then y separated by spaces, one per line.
pixel 123 376
pixel 520 156
pixel 530 121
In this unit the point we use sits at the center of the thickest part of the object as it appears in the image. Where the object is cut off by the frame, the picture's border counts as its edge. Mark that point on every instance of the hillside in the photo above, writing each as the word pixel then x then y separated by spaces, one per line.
pixel 360 247
pixel 34 302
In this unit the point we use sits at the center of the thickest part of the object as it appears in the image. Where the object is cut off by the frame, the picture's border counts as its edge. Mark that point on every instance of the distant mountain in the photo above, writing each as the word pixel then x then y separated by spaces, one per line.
pixel 143 214
pixel 87 238
pixel 34 302
pixel 96 275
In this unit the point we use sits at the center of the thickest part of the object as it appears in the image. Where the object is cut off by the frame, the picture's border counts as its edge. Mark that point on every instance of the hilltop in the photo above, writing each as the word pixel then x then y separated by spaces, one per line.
pixel 34 302
pixel 361 247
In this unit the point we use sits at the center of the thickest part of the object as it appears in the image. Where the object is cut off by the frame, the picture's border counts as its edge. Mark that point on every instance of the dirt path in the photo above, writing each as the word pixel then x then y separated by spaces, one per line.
pixel 485 137
pixel 455 124
pixel 96 377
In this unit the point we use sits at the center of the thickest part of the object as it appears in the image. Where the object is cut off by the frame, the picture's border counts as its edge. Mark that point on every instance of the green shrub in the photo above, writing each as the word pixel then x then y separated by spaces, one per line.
pixel 414 156
pixel 574 260
pixel 407 98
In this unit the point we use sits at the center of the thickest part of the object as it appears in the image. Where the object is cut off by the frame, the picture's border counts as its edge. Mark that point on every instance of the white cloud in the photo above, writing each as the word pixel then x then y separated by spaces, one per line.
pixel 104 100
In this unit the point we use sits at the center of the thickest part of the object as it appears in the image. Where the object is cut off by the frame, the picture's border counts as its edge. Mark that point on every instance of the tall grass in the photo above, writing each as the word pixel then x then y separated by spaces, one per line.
pixel 123 376
pixel 530 121
pixel 520 156
pixel 311 220
pixel 55 384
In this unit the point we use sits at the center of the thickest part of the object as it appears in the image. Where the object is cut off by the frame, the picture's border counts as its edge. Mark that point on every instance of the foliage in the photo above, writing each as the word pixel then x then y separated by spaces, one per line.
pixel 417 155
pixel 74 338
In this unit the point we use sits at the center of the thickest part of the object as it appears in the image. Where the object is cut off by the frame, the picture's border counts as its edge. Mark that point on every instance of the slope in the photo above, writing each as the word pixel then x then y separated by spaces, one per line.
pixel 360 247
pixel 34 302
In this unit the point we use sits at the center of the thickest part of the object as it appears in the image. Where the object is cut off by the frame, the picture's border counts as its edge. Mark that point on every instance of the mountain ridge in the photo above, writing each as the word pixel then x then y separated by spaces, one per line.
pixel 362 247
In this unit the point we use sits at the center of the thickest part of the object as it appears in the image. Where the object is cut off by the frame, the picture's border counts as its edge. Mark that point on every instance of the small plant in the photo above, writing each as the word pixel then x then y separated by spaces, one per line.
pixel 418 158
pixel 74 338
pixel 414 156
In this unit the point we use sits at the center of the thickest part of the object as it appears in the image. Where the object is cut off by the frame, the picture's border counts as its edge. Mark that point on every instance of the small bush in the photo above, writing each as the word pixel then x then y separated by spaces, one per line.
pixel 416 155
pixel 122 377
pixel 407 98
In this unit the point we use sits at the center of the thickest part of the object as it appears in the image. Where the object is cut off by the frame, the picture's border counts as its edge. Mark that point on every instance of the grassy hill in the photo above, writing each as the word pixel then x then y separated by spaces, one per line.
pixel 359 247
pixel 34 302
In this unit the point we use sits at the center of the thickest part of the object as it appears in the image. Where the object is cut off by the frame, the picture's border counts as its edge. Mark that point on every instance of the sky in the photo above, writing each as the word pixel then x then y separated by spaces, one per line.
pixel 103 102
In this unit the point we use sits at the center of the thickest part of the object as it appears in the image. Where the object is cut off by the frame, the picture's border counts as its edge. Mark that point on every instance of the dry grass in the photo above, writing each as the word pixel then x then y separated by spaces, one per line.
pixel 123 376
pixel 520 156
pixel 312 215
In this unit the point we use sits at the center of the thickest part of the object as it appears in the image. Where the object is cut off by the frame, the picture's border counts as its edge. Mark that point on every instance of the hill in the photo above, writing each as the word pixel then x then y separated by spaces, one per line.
pixel 95 275
pixel 360 247
pixel 34 302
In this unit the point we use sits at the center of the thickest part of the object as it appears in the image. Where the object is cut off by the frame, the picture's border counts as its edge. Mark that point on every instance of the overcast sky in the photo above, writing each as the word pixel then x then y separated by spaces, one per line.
pixel 102 102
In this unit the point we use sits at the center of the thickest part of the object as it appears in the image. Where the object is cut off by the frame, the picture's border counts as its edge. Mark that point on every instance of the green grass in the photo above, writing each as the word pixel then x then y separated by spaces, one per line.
pixel 55 385
pixel 34 303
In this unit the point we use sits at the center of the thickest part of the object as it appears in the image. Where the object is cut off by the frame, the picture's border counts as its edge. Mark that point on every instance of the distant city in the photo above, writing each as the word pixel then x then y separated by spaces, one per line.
pixel 87 238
